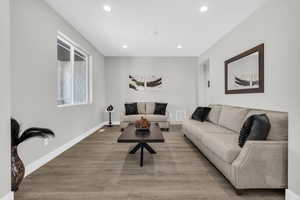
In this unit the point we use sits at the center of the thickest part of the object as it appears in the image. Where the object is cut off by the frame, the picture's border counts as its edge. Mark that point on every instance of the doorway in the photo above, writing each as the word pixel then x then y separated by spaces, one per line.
pixel 204 83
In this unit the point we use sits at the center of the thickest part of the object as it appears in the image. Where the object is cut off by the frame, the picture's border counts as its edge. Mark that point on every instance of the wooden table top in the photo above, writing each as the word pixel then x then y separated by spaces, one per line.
pixel 130 135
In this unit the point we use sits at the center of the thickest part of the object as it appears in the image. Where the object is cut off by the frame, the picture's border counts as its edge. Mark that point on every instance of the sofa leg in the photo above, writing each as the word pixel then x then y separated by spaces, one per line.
pixel 239 191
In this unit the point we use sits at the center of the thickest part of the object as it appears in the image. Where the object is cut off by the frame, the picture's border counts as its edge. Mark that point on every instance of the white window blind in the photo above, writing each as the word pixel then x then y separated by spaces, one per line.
pixel 73 73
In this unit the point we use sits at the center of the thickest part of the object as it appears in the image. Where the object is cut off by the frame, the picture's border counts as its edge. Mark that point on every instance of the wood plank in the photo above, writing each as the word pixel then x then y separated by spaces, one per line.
pixel 99 168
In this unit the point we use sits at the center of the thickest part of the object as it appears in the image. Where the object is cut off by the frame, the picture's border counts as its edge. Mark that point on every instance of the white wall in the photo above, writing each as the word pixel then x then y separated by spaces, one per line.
pixel 34 78
pixel 179 74
pixel 277 25
pixel 5 99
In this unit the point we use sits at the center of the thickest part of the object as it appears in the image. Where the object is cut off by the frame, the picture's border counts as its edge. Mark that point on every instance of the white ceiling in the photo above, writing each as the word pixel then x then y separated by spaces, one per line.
pixel 133 22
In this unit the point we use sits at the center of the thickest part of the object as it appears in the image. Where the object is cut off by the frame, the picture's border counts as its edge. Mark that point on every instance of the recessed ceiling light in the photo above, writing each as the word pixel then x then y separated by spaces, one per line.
pixel 179 46
pixel 124 46
pixel 107 8
pixel 204 9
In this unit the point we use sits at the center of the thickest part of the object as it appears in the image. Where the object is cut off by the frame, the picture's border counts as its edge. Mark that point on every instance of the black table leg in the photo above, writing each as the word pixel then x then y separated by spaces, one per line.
pixel 142 146
pixel 142 156
pixel 149 148
pixel 135 149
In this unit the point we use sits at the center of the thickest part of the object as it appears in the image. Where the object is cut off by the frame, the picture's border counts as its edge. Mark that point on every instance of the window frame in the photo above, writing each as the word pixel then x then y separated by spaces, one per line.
pixel 75 47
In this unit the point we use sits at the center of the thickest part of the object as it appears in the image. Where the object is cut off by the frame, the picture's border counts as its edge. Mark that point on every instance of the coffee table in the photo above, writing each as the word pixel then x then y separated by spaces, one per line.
pixel 129 135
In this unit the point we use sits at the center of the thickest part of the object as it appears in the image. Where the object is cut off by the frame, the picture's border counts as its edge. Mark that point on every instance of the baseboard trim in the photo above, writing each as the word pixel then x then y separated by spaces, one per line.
pixel 289 195
pixel 115 122
pixel 45 159
pixel 9 196
pixel 176 122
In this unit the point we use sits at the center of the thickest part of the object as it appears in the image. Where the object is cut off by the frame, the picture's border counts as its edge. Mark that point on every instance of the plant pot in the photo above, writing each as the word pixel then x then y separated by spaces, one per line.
pixel 17 169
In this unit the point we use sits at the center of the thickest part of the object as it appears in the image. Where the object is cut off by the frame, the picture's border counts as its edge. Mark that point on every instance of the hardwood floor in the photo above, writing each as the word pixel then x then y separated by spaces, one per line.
pixel 100 168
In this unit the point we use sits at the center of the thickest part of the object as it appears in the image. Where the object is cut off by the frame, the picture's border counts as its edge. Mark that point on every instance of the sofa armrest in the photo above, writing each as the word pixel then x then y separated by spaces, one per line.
pixel 261 164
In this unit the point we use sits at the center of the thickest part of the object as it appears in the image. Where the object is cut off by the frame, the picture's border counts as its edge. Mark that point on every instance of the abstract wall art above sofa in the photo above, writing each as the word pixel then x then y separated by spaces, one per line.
pixel 154 82
pixel 140 83
pixel 136 83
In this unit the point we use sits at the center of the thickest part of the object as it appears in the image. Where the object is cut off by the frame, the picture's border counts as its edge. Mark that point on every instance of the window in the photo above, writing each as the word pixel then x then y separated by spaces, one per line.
pixel 73 73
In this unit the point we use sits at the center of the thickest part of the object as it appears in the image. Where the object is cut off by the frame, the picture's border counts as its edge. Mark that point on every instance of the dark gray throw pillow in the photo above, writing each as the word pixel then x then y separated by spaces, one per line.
pixel 256 127
pixel 201 113
pixel 245 131
pixel 131 109
pixel 160 108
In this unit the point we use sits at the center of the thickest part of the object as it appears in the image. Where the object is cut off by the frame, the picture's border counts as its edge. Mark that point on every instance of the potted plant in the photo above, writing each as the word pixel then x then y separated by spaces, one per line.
pixel 17 166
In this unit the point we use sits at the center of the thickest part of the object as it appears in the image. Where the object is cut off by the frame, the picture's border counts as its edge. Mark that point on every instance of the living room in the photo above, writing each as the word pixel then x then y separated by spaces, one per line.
pixel 188 50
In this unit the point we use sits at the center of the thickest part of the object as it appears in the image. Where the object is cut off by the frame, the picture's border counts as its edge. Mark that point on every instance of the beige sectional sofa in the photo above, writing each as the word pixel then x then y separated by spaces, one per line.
pixel 259 164
pixel 145 110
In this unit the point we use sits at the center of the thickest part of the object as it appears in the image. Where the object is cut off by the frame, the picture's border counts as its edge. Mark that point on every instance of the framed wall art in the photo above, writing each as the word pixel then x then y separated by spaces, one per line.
pixel 244 73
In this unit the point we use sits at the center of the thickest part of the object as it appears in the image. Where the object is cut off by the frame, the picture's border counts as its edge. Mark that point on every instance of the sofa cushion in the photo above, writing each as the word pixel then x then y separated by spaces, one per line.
pixel 260 128
pixel 256 127
pixel 132 118
pixel 131 109
pixel 278 121
pixel 245 131
pixel 141 107
pixel 233 117
pixel 201 113
pixel 160 108
pixel 198 128
pixel 214 113
pixel 224 145
pixel 150 106
pixel 156 118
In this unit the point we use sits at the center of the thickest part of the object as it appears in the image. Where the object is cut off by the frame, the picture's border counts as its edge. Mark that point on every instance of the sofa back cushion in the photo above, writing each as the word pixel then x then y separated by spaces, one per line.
pixel 141 107
pixel 150 106
pixel 131 109
pixel 256 127
pixel 160 108
pixel 214 114
pixel 233 117
pixel 278 121
pixel 201 113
